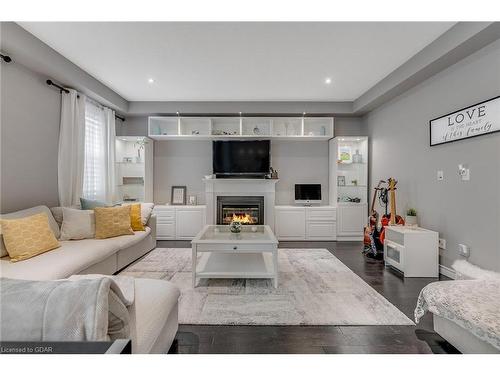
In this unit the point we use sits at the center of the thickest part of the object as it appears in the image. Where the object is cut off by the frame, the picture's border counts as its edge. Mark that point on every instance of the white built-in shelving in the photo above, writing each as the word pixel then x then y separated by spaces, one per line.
pixel 204 128
pixel 348 185
pixel 134 169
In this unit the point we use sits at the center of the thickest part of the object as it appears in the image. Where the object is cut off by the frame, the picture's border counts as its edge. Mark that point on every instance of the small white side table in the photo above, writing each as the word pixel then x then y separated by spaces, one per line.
pixel 412 250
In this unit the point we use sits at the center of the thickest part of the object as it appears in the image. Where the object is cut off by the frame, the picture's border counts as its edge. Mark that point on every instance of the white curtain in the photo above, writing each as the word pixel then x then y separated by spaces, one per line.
pixel 99 172
pixel 110 143
pixel 71 155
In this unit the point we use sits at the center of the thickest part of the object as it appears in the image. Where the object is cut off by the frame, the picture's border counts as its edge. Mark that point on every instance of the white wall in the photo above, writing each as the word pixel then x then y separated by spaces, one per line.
pixel 462 212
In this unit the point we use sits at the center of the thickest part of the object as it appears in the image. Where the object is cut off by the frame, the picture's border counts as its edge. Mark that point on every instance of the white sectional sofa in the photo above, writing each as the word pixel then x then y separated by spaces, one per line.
pixel 79 257
pixel 153 315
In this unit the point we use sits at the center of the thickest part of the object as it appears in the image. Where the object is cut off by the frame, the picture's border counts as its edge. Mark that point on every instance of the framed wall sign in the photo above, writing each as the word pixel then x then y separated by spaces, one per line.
pixel 478 119
pixel 178 196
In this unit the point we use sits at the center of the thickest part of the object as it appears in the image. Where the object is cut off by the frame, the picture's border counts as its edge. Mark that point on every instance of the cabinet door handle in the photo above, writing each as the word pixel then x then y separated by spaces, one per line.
pixel 235 248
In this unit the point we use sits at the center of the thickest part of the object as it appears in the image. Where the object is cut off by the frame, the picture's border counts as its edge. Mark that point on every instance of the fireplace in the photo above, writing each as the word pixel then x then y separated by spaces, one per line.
pixel 246 210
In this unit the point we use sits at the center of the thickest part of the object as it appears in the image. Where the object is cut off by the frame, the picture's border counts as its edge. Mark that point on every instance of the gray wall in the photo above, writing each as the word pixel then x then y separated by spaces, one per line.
pixel 30 115
pixel 186 162
pixel 29 126
pixel 31 52
pixel 462 212
pixel 347 126
pixel 181 163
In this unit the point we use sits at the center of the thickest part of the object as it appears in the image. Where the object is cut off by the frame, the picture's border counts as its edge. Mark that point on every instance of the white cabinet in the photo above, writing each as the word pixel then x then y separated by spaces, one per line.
pixel 290 223
pixel 413 251
pixel 165 231
pixel 163 128
pixel 351 221
pixel 321 231
pixel 305 223
pixel 179 222
pixel 189 221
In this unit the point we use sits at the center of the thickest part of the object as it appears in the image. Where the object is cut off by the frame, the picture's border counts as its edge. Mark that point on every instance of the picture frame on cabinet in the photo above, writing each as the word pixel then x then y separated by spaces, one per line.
pixel 178 195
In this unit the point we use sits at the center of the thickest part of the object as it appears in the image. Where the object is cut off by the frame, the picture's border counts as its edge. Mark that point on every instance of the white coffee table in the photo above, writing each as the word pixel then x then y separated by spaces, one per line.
pixel 250 254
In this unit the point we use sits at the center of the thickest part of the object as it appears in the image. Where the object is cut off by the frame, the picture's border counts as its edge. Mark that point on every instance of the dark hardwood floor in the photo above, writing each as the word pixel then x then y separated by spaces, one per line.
pixel 399 291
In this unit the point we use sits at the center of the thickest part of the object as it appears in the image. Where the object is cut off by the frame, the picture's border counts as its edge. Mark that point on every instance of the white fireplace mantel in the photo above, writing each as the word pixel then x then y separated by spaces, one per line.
pixel 240 186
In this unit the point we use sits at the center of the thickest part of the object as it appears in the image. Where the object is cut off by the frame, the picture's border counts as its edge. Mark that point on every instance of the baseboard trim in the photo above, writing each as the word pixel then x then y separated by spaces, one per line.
pixel 448 272
pixel 350 239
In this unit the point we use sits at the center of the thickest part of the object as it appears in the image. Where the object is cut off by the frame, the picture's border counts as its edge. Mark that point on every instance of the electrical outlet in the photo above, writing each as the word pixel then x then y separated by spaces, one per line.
pixel 463 250
pixel 463 172
pixel 442 243
pixel 440 175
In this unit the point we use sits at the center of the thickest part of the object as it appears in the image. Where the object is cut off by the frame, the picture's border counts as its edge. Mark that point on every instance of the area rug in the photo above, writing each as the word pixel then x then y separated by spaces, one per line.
pixel 315 288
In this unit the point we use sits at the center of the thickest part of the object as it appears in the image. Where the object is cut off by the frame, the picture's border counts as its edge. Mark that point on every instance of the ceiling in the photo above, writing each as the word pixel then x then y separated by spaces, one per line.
pixel 197 61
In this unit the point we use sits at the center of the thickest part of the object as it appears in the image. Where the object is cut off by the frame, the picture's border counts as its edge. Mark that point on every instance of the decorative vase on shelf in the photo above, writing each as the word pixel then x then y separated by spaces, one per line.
pixel 235 227
pixel 357 157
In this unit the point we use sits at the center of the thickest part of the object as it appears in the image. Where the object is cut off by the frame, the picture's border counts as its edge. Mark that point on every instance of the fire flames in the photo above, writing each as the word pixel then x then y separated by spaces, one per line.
pixel 242 218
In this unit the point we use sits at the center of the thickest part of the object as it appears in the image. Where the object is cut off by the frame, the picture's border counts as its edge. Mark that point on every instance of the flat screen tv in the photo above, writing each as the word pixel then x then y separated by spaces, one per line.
pixel 308 194
pixel 241 159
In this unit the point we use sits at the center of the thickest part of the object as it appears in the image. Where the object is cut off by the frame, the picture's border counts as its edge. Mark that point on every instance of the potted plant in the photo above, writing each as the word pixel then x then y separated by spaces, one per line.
pixel 411 217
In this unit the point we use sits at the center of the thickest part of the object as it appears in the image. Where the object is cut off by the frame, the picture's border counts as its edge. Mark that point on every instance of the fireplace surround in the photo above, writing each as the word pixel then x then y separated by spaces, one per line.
pixel 245 209
pixel 237 187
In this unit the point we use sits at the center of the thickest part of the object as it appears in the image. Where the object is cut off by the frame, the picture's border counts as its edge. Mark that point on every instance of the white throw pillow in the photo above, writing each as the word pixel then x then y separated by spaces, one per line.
pixel 146 209
pixel 58 214
pixel 77 224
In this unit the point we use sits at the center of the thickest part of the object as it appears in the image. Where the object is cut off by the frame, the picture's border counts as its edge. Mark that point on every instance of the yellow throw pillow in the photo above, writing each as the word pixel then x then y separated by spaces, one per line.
pixel 27 237
pixel 112 221
pixel 135 217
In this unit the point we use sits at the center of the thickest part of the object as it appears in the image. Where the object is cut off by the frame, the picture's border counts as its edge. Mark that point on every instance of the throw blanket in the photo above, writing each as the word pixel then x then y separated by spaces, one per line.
pixel 86 309
pixel 472 304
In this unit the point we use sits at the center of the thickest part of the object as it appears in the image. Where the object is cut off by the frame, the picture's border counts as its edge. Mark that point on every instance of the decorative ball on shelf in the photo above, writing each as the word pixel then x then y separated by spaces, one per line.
pixel 235 227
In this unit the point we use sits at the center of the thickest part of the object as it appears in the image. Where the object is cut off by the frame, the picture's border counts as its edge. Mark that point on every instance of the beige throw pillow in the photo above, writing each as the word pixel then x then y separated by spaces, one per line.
pixel 146 210
pixel 77 224
pixel 112 221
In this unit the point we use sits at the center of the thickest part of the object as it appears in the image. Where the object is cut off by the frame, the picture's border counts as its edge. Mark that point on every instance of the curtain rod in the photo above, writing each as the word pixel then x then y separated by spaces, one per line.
pixel 65 90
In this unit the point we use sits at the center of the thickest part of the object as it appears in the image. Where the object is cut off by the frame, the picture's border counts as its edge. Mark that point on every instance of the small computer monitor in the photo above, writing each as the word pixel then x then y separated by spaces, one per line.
pixel 307 194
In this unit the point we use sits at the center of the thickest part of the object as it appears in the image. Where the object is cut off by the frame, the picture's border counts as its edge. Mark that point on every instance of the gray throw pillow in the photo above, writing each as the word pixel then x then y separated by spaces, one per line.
pixel 89 204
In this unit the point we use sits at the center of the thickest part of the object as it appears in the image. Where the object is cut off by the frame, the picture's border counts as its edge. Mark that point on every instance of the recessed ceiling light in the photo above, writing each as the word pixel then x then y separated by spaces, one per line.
pixel 151 80
pixel 328 80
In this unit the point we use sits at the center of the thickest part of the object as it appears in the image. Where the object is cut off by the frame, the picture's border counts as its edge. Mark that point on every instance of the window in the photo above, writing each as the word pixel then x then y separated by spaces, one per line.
pixel 94 179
